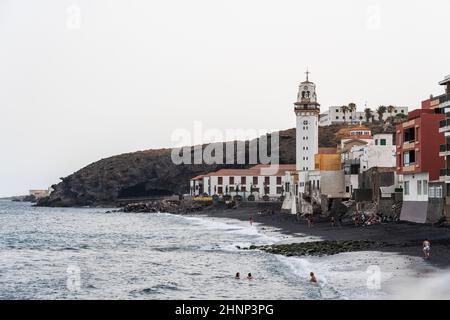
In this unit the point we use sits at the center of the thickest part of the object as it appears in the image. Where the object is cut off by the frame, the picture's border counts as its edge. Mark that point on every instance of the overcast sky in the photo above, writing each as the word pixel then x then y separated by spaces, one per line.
pixel 84 80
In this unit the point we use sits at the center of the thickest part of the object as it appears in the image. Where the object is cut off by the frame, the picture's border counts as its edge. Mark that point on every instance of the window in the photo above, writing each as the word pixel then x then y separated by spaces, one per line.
pixel 439 192
pixel 425 187
pixel 305 122
pixel 220 180
pixel 243 188
pixel 314 184
pixel 243 180
pixel 417 133
pixel 220 190
pixel 337 110
pixel 279 190
pixel 337 117
pixel 382 142
pixel 376 142
pixel 255 180
pixel 278 180
pixel 266 190
pixel 231 180
pixel 231 188
pixel 409 135
pixel 409 158
pixel 347 189
pixel 267 180
pixel 406 189
pixel 402 111
pixel 432 192
pixel 318 184
pixel 419 187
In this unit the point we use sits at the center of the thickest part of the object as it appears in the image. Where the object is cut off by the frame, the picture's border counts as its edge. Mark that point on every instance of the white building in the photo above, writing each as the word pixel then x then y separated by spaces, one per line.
pixel 40 193
pixel 259 181
pixel 334 115
pixel 363 151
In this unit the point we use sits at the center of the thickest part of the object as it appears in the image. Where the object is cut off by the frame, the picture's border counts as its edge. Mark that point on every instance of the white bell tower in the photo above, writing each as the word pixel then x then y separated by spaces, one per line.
pixel 307 111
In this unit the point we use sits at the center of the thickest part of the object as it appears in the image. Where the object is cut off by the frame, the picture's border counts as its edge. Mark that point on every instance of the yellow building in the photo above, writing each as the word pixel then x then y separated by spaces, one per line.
pixel 327 160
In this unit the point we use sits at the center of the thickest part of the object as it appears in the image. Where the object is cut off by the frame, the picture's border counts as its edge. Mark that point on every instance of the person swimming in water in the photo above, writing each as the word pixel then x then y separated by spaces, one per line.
pixel 249 276
pixel 238 276
pixel 313 278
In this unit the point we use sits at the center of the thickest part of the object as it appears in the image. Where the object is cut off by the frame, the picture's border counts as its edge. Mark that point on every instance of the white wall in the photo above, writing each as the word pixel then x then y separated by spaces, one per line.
pixel 413 194
pixel 332 183
pixel 248 184
pixel 381 156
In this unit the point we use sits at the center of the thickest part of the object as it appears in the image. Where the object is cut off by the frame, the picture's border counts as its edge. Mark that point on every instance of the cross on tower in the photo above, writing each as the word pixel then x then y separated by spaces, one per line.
pixel 307 75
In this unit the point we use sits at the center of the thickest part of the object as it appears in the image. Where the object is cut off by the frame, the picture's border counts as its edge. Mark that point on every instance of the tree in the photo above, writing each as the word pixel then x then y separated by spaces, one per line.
pixel 368 113
pixel 390 109
pixel 344 110
pixel 352 109
pixel 380 111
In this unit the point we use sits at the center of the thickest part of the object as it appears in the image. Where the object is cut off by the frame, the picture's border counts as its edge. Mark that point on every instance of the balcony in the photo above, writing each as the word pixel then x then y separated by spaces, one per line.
pixel 409 145
pixel 444 175
pixel 410 167
pixel 444 125
pixel 444 150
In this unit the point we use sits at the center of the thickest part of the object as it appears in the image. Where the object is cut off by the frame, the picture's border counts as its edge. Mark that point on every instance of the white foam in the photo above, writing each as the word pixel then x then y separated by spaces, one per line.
pixel 232 226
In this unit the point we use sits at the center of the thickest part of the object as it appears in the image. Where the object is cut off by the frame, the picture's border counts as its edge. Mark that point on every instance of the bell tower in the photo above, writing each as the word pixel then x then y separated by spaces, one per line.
pixel 307 131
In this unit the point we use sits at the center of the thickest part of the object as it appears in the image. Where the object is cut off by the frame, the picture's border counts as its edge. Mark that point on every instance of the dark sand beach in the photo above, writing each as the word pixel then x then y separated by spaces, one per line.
pixel 404 238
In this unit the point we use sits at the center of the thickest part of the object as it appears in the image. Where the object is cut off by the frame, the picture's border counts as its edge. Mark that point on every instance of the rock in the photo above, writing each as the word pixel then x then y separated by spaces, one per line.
pixel 318 248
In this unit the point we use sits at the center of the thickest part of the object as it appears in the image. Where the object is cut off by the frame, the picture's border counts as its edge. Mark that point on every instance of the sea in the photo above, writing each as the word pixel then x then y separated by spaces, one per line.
pixel 86 253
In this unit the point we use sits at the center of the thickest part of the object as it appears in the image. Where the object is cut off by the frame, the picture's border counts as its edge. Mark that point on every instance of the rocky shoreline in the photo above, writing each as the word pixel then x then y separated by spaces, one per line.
pixel 168 206
pixel 321 248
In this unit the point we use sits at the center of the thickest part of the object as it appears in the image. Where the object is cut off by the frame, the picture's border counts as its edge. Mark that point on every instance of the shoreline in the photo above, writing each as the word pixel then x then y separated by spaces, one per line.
pixel 403 238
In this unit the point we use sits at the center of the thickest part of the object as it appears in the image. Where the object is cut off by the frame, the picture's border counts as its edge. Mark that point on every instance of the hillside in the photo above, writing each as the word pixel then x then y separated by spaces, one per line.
pixel 151 172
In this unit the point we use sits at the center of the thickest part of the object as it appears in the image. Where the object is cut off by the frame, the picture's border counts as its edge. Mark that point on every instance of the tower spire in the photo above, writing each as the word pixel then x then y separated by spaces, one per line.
pixel 307 74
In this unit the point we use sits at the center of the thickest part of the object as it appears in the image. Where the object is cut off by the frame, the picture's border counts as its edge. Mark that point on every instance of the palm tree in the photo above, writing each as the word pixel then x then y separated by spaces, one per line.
pixel 344 110
pixel 368 114
pixel 380 111
pixel 352 109
pixel 390 109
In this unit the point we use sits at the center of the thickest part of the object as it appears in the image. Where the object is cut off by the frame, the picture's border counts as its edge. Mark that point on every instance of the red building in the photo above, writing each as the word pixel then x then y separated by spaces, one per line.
pixel 418 143
pixel 418 160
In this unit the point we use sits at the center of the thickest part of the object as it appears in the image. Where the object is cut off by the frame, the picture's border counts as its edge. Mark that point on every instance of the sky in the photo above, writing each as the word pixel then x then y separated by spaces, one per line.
pixel 83 80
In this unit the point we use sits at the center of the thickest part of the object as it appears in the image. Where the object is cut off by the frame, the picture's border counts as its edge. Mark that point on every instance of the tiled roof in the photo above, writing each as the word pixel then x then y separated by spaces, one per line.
pixel 258 170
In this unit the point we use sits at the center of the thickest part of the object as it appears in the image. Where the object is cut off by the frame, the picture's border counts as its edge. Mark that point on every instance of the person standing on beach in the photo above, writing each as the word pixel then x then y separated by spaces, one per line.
pixel 333 222
pixel 310 221
pixel 426 248
pixel 251 221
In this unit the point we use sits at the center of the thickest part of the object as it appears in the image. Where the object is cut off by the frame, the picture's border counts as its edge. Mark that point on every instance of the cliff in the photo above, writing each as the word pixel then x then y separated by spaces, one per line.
pixel 150 173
